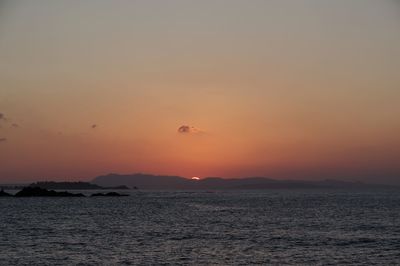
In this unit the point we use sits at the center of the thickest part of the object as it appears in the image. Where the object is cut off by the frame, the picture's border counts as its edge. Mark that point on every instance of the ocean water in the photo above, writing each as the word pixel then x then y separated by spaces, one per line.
pixel 300 227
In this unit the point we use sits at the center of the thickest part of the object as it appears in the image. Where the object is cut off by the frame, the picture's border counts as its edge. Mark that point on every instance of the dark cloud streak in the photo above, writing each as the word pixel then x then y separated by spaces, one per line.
pixel 185 129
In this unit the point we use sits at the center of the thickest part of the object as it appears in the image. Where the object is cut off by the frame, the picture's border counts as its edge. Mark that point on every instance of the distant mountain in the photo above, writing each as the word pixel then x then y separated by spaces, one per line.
pixel 146 181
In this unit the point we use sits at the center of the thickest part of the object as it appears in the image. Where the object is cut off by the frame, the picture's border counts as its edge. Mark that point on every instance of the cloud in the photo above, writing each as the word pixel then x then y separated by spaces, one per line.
pixel 8 121
pixel 4 118
pixel 185 129
pixel 3 139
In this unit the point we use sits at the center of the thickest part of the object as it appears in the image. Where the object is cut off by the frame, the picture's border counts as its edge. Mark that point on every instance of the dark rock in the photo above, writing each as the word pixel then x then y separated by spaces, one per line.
pixel 117 187
pixel 40 192
pixel 72 185
pixel 65 185
pixel 109 194
pixel 4 194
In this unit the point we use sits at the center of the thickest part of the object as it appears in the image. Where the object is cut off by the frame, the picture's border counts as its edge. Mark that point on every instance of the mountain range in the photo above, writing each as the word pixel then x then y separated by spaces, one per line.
pixel 148 181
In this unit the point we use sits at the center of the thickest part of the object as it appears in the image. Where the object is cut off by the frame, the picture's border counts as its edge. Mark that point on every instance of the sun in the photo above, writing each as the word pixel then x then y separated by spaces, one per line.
pixel 195 178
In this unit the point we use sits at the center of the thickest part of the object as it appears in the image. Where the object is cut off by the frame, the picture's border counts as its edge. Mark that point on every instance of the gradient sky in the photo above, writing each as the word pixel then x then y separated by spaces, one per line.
pixel 286 89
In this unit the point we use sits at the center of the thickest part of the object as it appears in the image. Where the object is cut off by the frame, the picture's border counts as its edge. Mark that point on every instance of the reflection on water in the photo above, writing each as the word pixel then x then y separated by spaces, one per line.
pixel 232 227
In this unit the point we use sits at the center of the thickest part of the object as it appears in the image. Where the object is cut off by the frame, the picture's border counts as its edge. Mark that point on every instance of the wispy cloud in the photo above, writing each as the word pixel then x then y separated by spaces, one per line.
pixel 3 139
pixel 8 121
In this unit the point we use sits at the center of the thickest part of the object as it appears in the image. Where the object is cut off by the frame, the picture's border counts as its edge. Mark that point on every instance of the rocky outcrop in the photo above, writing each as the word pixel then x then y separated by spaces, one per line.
pixel 4 194
pixel 40 192
pixel 71 185
pixel 110 194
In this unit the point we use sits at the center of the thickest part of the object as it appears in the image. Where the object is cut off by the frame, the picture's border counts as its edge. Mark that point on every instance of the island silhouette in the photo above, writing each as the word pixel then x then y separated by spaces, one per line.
pixel 74 185
pixel 164 182
pixel 154 182
pixel 42 192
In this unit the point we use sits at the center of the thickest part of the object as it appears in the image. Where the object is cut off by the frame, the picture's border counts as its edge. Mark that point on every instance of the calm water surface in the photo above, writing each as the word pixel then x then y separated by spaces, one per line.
pixel 202 228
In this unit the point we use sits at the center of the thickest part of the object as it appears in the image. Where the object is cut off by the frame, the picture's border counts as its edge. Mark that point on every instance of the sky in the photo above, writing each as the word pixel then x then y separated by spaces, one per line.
pixel 300 89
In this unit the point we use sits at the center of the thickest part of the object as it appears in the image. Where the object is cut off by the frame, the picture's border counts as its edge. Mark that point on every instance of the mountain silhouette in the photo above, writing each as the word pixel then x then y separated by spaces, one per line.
pixel 148 181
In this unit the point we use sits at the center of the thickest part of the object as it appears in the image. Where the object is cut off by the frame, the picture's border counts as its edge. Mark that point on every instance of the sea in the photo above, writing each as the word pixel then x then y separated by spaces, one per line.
pixel 266 227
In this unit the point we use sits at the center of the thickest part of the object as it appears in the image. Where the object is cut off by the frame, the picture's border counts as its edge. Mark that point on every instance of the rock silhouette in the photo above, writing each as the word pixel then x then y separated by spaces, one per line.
pixel 109 194
pixel 71 185
pixel 4 194
pixel 40 192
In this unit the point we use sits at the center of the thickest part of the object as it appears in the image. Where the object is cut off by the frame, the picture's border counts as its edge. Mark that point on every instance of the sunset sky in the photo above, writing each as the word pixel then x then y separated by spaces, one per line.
pixel 301 89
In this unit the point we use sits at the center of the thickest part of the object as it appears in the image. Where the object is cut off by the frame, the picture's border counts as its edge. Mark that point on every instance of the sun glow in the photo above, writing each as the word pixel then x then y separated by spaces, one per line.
pixel 195 178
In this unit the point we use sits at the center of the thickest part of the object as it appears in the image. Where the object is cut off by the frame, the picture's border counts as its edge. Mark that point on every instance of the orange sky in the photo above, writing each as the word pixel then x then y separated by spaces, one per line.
pixel 284 89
